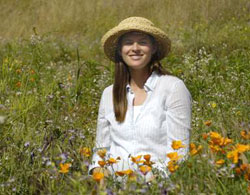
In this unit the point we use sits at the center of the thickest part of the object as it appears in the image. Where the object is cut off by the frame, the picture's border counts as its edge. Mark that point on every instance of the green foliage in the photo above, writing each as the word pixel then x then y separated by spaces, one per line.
pixel 51 83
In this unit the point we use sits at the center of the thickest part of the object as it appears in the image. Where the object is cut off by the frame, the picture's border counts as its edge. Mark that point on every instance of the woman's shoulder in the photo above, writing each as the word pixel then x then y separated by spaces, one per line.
pixel 107 92
pixel 170 81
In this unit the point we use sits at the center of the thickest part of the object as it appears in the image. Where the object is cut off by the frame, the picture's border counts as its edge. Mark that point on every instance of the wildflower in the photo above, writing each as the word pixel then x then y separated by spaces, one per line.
pixel 215 148
pixel 64 168
pixel 194 150
pixel 98 176
pixel 32 72
pixel 234 155
pixel 18 71
pixel 244 167
pixel 177 145
pixel 137 159
pixel 208 123
pixel 32 79
pixel 147 157
pixel 245 135
pixel 85 151
pixel 225 141
pixel 242 148
pixel 18 84
pixel 213 105
pixel 2 119
pixel 172 166
pixel 238 171
pixel 204 136
pixel 125 172
pixel 220 162
pixel 145 169
pixel 215 137
pixel 102 163
pixel 112 161
pixel 102 153
pixel 174 156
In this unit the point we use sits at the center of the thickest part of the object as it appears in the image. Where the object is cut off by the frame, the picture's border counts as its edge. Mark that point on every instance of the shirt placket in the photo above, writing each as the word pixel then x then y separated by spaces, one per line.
pixel 131 119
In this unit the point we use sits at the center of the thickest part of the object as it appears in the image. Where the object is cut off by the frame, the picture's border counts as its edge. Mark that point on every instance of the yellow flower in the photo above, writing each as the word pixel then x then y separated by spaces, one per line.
pixel 208 123
pixel 194 150
pixel 98 176
pixel 174 156
pixel 204 136
pixel 225 141
pixel 245 135
pixel 215 138
pixel 220 162
pixel 112 161
pixel 172 166
pixel 213 105
pixel 64 168
pixel 234 155
pixel 18 71
pixel 102 153
pixel 147 157
pixel 85 152
pixel 137 159
pixel 18 84
pixel 177 145
pixel 215 148
pixel 147 160
pixel 127 172
pixel 102 163
pixel 145 169
pixel 242 148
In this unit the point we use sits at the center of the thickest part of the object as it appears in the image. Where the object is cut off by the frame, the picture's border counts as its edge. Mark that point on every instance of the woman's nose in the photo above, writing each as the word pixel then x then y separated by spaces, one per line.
pixel 135 46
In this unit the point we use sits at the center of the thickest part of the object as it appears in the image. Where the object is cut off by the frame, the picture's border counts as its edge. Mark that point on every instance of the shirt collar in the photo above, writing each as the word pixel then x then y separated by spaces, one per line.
pixel 150 83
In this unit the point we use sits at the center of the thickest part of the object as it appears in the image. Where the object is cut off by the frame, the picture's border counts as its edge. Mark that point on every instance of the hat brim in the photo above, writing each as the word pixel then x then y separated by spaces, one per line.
pixel 110 39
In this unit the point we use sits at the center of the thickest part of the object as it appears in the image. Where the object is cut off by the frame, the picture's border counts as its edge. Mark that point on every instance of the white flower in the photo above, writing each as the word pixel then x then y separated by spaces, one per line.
pixel 2 119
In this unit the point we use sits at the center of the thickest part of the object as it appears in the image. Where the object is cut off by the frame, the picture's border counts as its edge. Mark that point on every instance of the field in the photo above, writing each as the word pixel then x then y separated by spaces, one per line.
pixel 53 71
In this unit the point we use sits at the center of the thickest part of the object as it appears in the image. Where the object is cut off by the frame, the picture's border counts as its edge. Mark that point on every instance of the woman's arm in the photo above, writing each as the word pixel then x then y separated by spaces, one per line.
pixel 178 118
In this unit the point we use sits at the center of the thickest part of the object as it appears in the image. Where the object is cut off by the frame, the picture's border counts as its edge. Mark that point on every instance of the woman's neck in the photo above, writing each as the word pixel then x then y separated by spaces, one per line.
pixel 138 78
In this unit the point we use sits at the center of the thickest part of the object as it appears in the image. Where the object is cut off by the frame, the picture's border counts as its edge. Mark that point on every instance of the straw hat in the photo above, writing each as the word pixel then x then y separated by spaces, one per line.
pixel 110 39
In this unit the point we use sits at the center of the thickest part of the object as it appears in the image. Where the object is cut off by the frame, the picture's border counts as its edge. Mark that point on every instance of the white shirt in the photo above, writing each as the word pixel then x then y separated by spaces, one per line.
pixel 165 116
pixel 137 110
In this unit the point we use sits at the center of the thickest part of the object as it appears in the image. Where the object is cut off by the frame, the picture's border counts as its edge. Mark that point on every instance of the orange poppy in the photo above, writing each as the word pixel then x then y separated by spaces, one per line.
pixel 98 176
pixel 177 145
pixel 102 153
pixel 85 152
pixel 174 156
pixel 64 168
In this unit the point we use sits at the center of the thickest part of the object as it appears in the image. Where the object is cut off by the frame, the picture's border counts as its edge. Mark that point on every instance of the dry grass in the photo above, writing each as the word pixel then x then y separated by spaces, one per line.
pixel 89 18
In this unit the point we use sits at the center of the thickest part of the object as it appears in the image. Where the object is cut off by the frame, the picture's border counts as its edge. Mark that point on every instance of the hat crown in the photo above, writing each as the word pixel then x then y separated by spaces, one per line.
pixel 136 20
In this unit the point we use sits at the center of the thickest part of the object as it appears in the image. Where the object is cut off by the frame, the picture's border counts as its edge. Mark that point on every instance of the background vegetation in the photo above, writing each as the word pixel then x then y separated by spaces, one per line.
pixel 53 70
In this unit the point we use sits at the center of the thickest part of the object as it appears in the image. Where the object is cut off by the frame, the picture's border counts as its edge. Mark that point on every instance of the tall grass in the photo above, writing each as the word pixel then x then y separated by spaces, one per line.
pixel 53 70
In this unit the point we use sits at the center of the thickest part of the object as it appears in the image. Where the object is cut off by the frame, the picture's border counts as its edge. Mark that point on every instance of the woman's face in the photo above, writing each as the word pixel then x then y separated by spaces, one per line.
pixel 136 50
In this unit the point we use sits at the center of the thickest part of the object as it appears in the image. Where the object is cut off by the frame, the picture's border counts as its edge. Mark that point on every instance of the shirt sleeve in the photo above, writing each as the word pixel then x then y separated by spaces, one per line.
pixel 102 134
pixel 178 115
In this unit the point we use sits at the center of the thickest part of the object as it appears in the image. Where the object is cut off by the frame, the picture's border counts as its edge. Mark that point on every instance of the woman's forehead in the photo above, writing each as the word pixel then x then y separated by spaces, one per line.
pixel 137 34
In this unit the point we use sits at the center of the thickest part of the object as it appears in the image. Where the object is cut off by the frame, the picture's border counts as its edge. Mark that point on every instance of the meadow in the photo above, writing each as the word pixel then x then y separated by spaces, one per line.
pixel 53 71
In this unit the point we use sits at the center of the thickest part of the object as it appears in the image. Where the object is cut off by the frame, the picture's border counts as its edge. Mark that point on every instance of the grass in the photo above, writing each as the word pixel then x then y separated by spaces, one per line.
pixel 52 76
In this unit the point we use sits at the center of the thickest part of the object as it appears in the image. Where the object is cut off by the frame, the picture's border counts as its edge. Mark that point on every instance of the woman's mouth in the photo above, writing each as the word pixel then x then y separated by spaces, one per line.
pixel 135 57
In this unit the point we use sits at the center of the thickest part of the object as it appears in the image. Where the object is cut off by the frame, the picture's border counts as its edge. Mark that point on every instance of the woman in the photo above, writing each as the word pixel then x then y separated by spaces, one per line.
pixel 146 109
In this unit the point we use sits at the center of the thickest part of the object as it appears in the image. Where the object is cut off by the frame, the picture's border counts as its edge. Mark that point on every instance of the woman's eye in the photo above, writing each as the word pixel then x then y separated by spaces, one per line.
pixel 143 42
pixel 128 42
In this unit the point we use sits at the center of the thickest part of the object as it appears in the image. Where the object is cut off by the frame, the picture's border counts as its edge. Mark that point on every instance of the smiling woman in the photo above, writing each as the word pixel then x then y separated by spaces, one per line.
pixel 146 110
